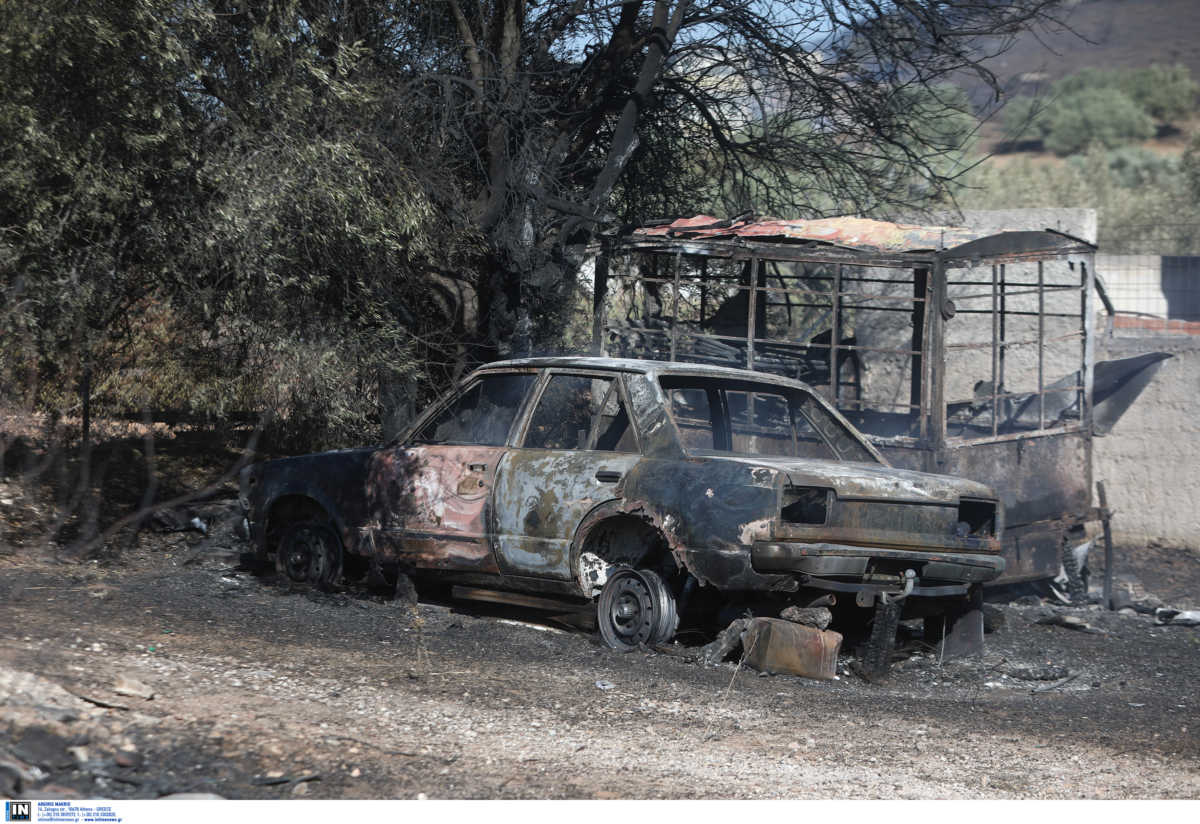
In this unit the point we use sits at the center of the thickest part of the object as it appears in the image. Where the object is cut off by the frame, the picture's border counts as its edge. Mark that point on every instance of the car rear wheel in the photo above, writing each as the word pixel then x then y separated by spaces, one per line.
pixel 636 608
pixel 310 552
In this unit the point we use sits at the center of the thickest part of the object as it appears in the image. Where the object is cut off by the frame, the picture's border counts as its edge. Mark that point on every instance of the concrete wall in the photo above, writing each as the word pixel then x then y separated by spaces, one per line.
pixel 1151 459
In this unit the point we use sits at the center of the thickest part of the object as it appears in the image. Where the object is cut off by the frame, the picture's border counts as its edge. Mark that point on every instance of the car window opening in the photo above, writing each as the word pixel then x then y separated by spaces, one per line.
pixel 482 415
pixel 746 418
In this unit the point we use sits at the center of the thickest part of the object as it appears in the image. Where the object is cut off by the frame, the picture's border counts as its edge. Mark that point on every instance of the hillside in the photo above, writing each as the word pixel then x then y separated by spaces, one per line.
pixel 1102 33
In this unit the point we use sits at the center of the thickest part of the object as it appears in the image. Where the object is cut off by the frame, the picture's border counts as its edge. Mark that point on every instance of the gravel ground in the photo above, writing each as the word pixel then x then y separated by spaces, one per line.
pixel 261 691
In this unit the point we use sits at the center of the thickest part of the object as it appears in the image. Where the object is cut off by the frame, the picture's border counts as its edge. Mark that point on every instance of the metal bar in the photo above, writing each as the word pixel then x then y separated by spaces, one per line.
pixel 1106 520
pixel 1032 287
pixel 843 347
pixel 1041 348
pixel 1023 394
pixel 1012 344
pixel 871 296
pixel 835 335
pixel 1102 291
pixel 1085 406
pixel 903 309
pixel 675 307
pixel 752 306
pixel 1012 293
pixel 920 286
pixel 703 288
pixel 855 279
pixel 1003 327
pixel 795 291
pixel 936 366
pixel 1073 315
pixel 995 348
pixel 646 292
pixel 1017 436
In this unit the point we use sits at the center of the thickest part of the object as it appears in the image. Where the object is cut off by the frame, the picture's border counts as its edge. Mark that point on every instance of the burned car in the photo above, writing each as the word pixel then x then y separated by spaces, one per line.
pixel 655 490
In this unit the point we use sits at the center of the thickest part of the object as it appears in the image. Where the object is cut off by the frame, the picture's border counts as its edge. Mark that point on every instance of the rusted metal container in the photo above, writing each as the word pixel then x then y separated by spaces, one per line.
pixel 777 646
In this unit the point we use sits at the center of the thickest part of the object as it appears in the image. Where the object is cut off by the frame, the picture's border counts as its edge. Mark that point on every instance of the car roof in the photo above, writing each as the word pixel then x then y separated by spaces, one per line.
pixel 643 367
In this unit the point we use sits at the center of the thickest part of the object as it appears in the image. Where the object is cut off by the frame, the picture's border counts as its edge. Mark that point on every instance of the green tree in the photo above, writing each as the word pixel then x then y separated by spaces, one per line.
pixel 1026 118
pixel 1095 115
pixel 94 167
pixel 207 210
pixel 1166 93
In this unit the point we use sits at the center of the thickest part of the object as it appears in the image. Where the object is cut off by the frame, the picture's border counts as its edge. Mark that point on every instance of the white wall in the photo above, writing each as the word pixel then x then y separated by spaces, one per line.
pixel 1151 459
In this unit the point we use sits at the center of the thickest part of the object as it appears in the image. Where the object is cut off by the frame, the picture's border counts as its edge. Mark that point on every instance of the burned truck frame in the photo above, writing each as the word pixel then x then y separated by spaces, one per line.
pixel 955 352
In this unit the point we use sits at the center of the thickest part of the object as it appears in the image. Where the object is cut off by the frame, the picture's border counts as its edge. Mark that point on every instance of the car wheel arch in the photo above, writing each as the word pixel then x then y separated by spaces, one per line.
pixel 296 506
pixel 619 533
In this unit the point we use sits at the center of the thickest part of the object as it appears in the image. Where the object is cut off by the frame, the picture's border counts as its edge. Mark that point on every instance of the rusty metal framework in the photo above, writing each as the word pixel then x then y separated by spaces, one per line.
pixel 953 351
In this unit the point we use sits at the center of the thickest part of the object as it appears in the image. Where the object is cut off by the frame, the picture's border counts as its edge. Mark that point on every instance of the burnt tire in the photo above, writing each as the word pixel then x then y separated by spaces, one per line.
pixel 310 553
pixel 636 609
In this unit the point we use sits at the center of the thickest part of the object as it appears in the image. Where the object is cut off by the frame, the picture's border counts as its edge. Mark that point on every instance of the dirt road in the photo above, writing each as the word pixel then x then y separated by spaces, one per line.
pixel 262 692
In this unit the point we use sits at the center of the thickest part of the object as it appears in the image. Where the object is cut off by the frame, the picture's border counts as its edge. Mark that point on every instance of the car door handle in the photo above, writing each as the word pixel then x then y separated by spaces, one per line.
pixel 477 467
pixel 607 477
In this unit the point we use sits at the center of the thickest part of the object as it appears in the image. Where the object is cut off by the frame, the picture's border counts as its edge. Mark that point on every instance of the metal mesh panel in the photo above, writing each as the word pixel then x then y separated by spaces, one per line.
pixel 1152 276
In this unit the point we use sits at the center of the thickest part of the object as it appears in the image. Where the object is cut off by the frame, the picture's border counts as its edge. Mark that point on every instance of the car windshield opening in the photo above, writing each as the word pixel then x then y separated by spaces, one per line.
pixel 718 415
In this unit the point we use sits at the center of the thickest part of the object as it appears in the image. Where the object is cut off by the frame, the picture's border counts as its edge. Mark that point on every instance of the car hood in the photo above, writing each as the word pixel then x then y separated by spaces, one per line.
pixel 862 480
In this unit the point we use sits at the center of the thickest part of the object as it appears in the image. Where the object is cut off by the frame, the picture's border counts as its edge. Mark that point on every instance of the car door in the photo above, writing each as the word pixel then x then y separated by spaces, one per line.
pixel 438 486
pixel 577 446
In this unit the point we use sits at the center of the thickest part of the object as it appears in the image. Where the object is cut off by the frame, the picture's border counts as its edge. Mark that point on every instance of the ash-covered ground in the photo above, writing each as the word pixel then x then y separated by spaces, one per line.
pixel 167 670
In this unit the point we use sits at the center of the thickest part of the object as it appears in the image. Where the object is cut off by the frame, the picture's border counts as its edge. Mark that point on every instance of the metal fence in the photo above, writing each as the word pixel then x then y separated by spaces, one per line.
pixel 1152 276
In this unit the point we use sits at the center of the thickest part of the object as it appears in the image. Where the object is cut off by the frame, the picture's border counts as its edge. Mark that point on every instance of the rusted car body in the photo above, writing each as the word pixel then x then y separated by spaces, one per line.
pixel 646 486
pixel 953 351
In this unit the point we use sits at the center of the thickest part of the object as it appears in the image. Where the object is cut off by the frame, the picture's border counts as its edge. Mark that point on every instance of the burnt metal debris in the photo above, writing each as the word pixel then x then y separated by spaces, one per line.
pixel 660 491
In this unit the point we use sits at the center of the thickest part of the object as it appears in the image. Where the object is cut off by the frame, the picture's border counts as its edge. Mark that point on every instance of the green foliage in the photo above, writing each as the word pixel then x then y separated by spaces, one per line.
pixel 1166 93
pixel 1190 165
pixel 1131 167
pixel 1026 118
pixel 1133 191
pixel 210 234
pixel 1113 107
pixel 93 159
pixel 1093 115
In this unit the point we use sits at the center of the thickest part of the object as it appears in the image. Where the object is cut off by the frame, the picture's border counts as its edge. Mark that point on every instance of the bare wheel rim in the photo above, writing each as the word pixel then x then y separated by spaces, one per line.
pixel 668 617
pixel 635 608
